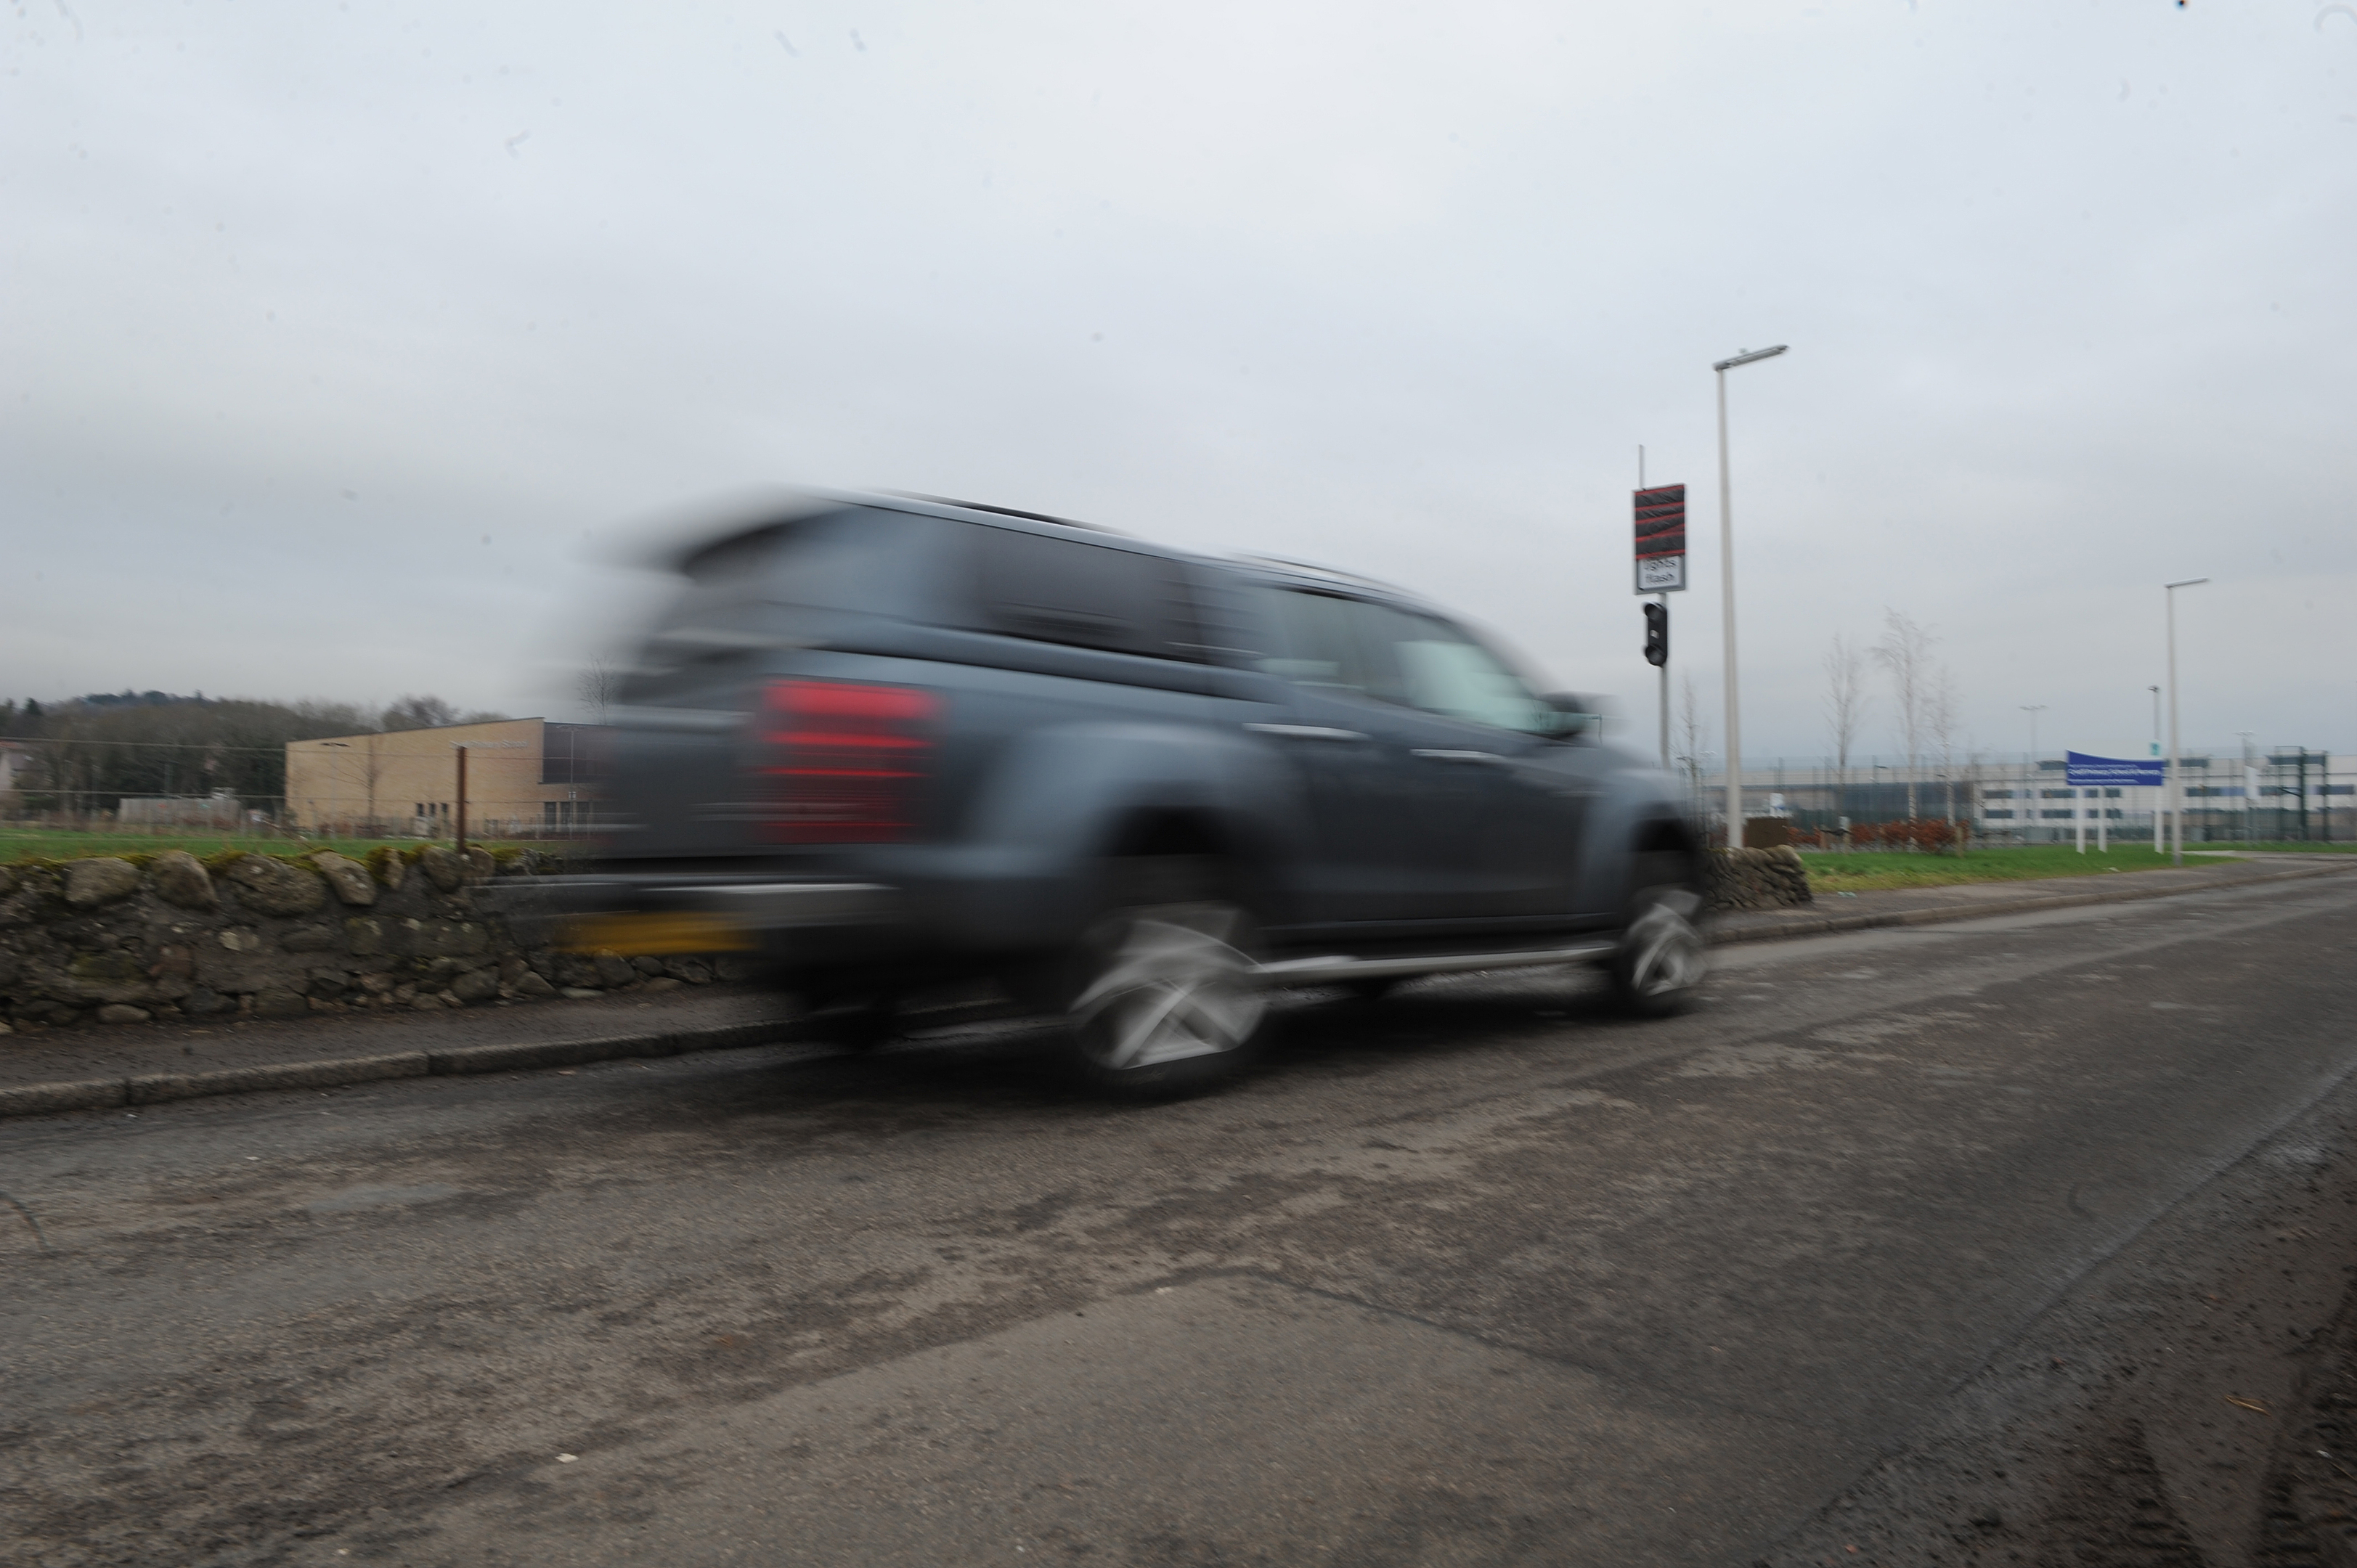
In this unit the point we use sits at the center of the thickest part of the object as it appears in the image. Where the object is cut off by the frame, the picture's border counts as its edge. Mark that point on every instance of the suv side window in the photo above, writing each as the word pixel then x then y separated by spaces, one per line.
pixel 1400 657
pixel 1444 671
pixel 1090 595
pixel 1319 641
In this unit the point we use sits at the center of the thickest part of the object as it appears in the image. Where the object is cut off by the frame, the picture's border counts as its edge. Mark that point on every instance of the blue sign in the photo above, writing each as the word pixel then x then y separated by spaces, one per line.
pixel 2082 769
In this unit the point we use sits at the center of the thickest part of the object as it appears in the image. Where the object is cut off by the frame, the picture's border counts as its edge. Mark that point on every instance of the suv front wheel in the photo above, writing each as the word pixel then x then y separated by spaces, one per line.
pixel 1659 964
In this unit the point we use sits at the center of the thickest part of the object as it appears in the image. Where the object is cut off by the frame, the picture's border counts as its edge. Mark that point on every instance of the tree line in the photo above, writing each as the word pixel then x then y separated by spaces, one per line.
pixel 1926 717
pixel 87 753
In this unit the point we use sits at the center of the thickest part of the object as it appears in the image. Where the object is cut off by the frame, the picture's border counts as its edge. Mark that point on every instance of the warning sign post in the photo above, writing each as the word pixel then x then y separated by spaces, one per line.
pixel 1662 540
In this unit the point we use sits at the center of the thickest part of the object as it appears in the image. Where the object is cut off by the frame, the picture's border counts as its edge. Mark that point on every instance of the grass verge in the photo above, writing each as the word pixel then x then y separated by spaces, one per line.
pixel 1872 871
pixel 36 844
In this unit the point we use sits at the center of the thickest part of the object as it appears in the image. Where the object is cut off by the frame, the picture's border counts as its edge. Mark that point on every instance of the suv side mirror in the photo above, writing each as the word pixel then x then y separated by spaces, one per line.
pixel 1573 714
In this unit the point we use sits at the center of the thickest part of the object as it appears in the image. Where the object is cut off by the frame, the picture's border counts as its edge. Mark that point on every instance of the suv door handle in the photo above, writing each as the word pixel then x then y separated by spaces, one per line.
pixel 1484 757
pixel 1306 732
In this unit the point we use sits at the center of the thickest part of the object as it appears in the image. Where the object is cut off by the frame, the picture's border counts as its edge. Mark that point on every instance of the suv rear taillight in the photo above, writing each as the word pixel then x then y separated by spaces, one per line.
pixel 841 761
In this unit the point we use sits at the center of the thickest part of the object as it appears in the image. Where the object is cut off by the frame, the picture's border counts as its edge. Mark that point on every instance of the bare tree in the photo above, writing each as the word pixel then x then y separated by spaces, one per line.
pixel 412 711
pixel 1905 651
pixel 1940 723
pixel 1694 735
pixel 371 767
pixel 1846 698
pixel 326 717
pixel 597 687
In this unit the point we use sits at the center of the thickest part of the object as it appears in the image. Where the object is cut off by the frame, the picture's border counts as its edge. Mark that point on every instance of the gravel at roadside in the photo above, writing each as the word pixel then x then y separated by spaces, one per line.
pixel 1964 901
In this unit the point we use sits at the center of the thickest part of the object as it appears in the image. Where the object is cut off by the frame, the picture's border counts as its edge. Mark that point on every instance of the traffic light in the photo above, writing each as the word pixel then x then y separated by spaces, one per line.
pixel 1657 635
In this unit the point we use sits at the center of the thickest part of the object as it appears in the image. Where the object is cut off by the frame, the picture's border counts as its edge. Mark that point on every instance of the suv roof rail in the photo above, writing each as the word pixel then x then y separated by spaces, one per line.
pixel 1314 570
pixel 1002 510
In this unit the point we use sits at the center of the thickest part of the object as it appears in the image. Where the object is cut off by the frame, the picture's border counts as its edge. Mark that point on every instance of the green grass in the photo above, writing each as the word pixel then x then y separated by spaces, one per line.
pixel 1870 871
pixel 2287 846
pixel 44 844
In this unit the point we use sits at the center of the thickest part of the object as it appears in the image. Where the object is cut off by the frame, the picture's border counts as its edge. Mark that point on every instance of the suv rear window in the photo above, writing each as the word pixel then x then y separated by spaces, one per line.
pixel 733 592
pixel 838 559
pixel 1082 594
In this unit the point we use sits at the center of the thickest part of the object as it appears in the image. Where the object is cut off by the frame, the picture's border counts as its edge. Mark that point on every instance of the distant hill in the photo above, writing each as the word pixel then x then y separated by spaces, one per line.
pixel 130 699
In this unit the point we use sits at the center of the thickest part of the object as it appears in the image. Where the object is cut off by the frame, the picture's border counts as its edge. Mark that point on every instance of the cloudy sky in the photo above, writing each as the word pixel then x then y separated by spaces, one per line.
pixel 345 348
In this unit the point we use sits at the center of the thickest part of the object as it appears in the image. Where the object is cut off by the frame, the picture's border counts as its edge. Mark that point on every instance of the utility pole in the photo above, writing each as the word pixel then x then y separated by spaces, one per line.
pixel 461 747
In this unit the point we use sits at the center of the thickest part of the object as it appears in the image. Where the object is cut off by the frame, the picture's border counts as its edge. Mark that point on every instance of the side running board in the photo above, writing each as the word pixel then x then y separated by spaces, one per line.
pixel 1327 970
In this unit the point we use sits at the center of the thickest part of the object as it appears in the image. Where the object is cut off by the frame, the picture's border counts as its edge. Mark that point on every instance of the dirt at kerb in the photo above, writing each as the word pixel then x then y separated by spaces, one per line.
pixel 2191 1401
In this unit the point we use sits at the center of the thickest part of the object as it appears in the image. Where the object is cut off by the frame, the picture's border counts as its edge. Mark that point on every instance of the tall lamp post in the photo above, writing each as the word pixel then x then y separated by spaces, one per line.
pixel 2250 785
pixel 1727 597
pixel 2176 757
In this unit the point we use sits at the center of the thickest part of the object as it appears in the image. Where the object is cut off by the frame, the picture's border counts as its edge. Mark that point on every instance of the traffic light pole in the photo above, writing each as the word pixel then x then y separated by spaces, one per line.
pixel 1664 600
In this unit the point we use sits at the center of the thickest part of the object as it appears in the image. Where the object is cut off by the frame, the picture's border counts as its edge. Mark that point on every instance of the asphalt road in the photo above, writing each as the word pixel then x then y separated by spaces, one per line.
pixel 1478 1274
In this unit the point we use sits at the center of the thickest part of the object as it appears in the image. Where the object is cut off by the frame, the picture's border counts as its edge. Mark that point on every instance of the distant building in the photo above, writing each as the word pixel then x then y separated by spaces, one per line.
pixel 525 778
pixel 217 810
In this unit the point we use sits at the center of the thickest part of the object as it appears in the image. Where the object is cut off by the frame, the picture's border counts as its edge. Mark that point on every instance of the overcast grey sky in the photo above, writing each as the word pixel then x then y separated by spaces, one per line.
pixel 341 344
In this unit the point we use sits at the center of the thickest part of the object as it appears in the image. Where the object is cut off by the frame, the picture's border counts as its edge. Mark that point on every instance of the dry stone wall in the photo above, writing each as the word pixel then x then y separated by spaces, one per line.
pixel 1757 878
pixel 122 940
pixel 126 939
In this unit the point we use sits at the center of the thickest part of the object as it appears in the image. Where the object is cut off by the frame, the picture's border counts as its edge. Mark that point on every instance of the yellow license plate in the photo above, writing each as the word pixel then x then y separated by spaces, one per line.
pixel 675 932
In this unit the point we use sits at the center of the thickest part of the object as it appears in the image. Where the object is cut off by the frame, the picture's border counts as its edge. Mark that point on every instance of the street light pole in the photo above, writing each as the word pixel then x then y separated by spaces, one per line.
pixel 2175 756
pixel 2250 785
pixel 2030 774
pixel 1726 598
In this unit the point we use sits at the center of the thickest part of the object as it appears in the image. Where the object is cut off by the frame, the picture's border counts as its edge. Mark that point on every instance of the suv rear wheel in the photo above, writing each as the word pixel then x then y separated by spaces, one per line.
pixel 1165 1003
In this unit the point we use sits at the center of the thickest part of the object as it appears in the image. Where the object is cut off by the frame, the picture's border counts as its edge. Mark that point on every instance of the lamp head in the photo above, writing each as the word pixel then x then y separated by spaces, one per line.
pixel 1749 355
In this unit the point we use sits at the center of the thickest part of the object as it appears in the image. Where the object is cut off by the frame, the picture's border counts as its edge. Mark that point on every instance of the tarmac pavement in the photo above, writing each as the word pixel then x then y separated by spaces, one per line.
pixel 1483 1273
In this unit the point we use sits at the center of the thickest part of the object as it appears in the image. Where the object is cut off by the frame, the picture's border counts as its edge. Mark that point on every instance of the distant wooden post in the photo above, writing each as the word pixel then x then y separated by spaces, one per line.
pixel 461 747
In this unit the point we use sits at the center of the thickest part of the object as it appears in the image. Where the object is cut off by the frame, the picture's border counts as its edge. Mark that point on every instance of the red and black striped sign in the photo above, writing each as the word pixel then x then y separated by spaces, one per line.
pixel 1661 521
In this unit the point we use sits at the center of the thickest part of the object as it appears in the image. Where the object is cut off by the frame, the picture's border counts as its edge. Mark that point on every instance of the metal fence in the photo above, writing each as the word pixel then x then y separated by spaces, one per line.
pixel 2286 794
pixel 87 812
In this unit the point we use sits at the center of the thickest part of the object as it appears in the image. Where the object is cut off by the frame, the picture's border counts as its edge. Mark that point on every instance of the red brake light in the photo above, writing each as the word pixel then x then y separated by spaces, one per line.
pixel 841 761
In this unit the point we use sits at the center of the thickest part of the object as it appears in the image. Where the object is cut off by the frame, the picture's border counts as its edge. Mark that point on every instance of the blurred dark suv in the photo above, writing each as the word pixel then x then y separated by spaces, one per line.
pixel 894 745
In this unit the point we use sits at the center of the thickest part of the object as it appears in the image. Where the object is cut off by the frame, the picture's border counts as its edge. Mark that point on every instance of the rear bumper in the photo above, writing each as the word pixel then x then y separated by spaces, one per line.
pixel 761 911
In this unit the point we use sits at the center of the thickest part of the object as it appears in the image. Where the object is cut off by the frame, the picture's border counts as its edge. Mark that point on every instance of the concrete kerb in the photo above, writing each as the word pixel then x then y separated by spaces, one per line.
pixel 1823 925
pixel 151 1088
